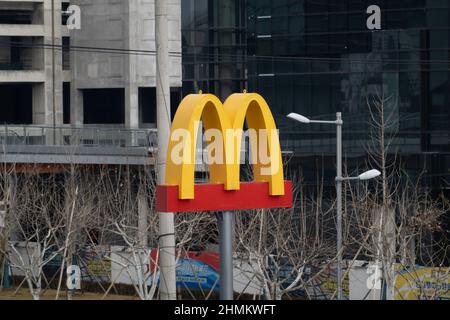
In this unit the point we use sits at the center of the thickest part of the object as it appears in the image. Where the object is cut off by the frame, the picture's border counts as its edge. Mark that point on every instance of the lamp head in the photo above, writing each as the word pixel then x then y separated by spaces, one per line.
pixel 372 174
pixel 299 118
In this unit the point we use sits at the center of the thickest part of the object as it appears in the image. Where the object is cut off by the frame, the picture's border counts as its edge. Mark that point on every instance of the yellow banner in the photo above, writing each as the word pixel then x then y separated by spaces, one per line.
pixel 423 284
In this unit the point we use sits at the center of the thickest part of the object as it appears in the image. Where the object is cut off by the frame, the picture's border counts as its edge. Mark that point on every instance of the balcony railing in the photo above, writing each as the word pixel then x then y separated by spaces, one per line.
pixel 30 135
pixel 80 145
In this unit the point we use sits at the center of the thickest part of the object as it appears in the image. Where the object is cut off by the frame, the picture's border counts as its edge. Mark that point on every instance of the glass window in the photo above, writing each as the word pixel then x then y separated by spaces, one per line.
pixel 409 39
pixel 407 4
pixel 263 26
pixel 410 99
pixel 405 19
pixel 317 23
pixel 262 7
pixel 296 7
pixel 356 5
pixel 280 25
pixel 280 7
pixel 338 22
pixel 409 61
pixel 358 42
pixel 302 94
pixel 439 60
pixel 265 66
pixel 438 18
pixel 439 108
pixel 296 46
pixel 320 95
pixel 357 21
pixel 280 46
pixel 284 94
pixel 338 44
pixel 264 47
pixel 438 3
pixel 316 6
pixel 439 39
pixel 301 66
pixel 317 44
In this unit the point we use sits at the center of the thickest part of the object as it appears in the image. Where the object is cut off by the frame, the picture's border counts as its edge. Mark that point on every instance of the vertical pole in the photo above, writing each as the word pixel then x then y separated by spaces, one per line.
pixel 53 72
pixel 166 220
pixel 142 219
pixel 339 124
pixel 225 220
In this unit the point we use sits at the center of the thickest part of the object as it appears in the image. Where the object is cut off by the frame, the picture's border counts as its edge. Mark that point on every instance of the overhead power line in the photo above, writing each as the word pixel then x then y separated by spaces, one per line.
pixel 236 57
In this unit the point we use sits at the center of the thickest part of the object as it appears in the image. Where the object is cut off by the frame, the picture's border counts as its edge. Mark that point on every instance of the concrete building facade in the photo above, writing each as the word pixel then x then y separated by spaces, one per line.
pixel 29 36
pixel 103 73
pixel 126 65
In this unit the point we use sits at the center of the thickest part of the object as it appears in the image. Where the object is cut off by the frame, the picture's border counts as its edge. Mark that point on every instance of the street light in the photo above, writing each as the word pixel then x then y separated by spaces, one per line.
pixel 299 118
pixel 368 175
pixel 371 174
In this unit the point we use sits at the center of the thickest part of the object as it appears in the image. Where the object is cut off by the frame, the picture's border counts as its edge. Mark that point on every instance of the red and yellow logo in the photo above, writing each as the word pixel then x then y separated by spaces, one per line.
pixel 224 130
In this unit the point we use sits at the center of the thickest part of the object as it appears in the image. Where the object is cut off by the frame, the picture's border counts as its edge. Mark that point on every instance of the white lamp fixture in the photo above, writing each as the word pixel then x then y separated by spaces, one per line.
pixel 299 118
pixel 369 175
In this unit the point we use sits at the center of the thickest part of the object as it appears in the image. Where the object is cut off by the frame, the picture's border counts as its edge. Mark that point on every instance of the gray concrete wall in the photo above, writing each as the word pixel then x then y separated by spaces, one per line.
pixel 124 25
pixel 103 25
pixel 50 110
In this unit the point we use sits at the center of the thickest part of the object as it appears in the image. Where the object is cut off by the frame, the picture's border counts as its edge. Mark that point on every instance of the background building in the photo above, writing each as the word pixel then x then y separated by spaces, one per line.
pixel 103 73
pixel 31 70
pixel 64 88
pixel 317 57
pixel 214 46
pixel 82 100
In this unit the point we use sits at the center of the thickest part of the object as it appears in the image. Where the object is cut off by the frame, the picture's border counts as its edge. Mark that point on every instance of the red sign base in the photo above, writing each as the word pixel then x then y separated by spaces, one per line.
pixel 213 197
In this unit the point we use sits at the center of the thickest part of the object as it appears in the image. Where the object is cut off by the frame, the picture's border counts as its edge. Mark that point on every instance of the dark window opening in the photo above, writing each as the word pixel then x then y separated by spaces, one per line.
pixel 66 102
pixel 175 100
pixel 16 53
pixel 66 53
pixel 104 106
pixel 17 104
pixel 147 106
pixel 65 16
pixel 16 17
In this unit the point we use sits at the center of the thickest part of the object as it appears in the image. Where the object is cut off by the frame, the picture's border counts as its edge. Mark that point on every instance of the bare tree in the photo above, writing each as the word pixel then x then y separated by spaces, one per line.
pixel 386 220
pixel 275 246
pixel 37 225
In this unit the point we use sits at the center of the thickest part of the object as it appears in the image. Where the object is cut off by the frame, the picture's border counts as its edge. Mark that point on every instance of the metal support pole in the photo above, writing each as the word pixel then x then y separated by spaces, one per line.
pixel 53 73
pixel 167 262
pixel 339 124
pixel 225 221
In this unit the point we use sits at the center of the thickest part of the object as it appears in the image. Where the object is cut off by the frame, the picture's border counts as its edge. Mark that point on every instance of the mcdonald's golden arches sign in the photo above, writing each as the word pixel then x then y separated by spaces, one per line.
pixel 223 132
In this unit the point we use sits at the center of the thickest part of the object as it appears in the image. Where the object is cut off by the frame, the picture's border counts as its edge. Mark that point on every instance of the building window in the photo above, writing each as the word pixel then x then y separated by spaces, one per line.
pixel 104 106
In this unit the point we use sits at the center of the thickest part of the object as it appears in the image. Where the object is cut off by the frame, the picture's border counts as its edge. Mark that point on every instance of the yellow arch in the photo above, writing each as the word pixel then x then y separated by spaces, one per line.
pixel 255 110
pixel 227 118
pixel 191 111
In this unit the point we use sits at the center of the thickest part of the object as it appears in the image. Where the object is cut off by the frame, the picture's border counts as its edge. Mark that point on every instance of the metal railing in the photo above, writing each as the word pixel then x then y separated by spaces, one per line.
pixel 122 138
pixel 86 136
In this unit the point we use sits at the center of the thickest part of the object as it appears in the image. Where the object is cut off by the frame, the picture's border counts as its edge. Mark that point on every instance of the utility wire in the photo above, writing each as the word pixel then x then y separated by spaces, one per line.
pixel 68 48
